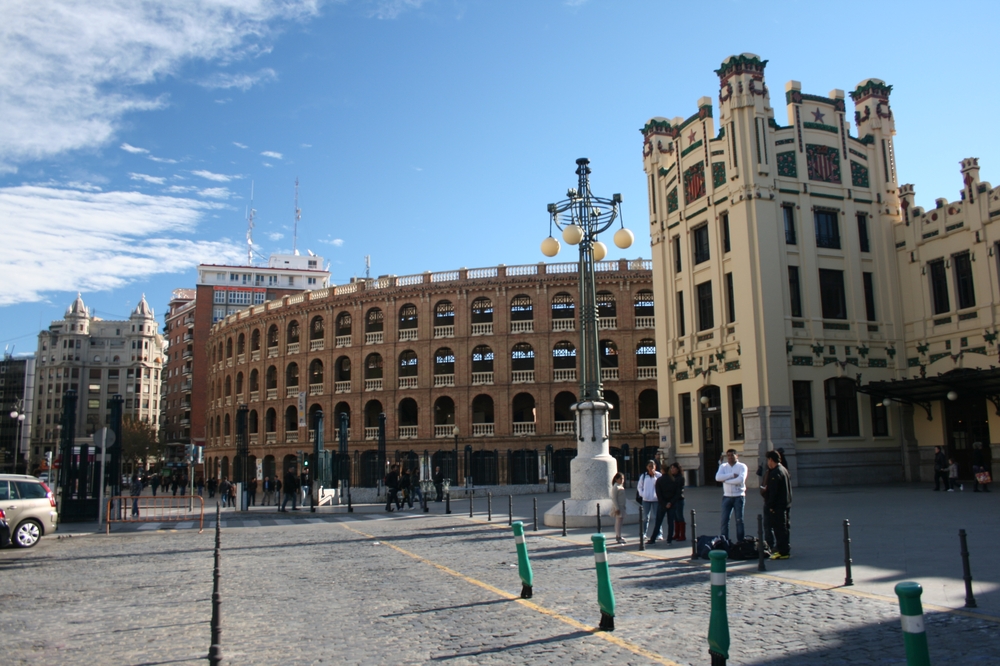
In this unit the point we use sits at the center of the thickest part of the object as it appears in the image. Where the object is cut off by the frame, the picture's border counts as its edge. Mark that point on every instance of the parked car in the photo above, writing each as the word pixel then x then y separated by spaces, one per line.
pixel 30 508
pixel 4 530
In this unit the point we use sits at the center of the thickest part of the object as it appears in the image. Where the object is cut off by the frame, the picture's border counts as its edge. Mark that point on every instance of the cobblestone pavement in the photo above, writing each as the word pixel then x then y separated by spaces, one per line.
pixel 409 589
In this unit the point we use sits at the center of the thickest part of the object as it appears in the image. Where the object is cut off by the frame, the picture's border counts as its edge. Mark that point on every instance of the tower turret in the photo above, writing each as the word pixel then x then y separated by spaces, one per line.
pixel 744 114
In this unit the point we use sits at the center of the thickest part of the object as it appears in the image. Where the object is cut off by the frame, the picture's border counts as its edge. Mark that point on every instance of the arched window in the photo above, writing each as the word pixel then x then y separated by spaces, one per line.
pixel 523 408
pixel 316 372
pixel 342 369
pixel 270 420
pixel 241 344
pixel 841 407
pixel 614 415
pixel 254 380
pixel 522 357
pixel 407 412
pixel 649 407
pixel 372 410
pixel 482 311
pixel 292 375
pixel 645 353
pixel 316 328
pixel 606 308
pixel 229 386
pixel 271 378
pixel 239 383
pixel 609 354
pixel 482 359
pixel 373 321
pixel 444 414
pixel 255 340
pixel 293 331
pixel 521 309
pixel 643 306
pixel 563 414
pixel 229 347
pixel 291 418
pixel 343 324
pixel 482 413
pixel 444 314
pixel 563 306
pixel 338 409
pixel 407 317
pixel 408 364
pixel 373 366
pixel 253 425
pixel 272 336
pixel 444 362
pixel 564 356
pixel 227 426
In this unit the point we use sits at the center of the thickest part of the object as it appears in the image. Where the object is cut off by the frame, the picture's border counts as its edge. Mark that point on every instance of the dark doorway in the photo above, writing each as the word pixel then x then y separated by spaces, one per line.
pixel 967 422
pixel 484 468
pixel 523 466
pixel 560 464
pixel 711 430
pixel 446 461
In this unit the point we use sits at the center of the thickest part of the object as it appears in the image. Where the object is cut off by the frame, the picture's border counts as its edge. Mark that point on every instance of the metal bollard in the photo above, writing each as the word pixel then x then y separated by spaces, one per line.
pixel 510 509
pixel 535 503
pixel 489 507
pixel 848 560
pixel 599 530
pixel 911 615
pixel 760 543
pixel 694 537
pixel 970 600
pixel 350 508
pixel 718 624
pixel 642 531
pixel 472 497
pixel 523 563
pixel 564 517
pixel 447 503
pixel 605 595
pixel 215 650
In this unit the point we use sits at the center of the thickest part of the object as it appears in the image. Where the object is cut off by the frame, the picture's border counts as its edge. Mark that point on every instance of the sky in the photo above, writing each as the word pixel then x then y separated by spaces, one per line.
pixel 428 134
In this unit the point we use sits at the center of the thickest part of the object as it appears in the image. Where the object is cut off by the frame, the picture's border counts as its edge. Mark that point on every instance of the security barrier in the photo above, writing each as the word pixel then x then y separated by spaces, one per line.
pixel 155 509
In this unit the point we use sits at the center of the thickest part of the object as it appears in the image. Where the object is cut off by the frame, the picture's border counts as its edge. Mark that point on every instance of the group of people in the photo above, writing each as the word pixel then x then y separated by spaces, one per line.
pixel 661 496
pixel 402 487
pixel 946 469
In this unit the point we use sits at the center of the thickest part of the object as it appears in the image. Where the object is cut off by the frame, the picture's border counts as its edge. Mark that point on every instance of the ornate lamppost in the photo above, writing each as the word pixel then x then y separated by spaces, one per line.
pixel 581 218
pixel 18 418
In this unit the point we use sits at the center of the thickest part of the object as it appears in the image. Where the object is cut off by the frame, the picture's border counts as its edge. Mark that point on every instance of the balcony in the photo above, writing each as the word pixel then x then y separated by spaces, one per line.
pixel 645 322
pixel 292 391
pixel 565 427
pixel 444 380
pixel 483 329
pixel 567 375
pixel 254 439
pixel 227 440
pixel 563 325
pixel 188 337
pixel 444 430
pixel 407 334
pixel 229 401
pixel 270 437
pixel 609 374
pixel 614 425
pixel 316 389
pixel 255 355
pixel 373 384
pixel 241 359
pixel 342 341
pixel 482 378
pixel 254 396
pixel 648 424
pixel 240 399
pixel 371 433
pixel 187 355
pixel 373 338
pixel 524 428
pixel 483 429
pixel 407 432
pixel 522 326
pixel 316 345
pixel 607 323
pixel 407 382
pixel 272 352
pixel 186 370
pixel 185 422
pixel 444 331
pixel 292 348
pixel 646 372
pixel 229 362
pixel 186 386
pixel 272 394
pixel 291 436
pixel 342 387
pixel 522 377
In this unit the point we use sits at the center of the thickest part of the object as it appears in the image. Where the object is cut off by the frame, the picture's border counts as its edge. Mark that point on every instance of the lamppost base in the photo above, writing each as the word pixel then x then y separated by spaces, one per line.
pixel 583 513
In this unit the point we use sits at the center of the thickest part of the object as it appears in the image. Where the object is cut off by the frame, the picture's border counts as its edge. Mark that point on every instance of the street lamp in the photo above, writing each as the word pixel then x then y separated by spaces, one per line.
pixel 19 417
pixel 455 431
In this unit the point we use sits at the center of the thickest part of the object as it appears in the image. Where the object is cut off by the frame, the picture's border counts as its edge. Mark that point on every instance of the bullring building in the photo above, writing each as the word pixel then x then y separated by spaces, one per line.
pixel 803 299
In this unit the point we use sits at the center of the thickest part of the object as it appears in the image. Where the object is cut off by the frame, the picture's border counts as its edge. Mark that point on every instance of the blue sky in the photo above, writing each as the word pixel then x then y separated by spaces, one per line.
pixel 429 134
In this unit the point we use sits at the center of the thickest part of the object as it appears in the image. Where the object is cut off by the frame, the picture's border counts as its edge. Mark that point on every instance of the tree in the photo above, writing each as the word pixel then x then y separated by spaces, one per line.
pixel 140 440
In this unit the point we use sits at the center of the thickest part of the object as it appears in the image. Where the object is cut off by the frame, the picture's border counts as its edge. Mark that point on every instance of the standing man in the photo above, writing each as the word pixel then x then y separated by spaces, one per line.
pixel 224 491
pixel 940 468
pixel 732 475
pixel 778 501
pixel 391 488
pixel 438 479
pixel 291 489
pixel 135 489
pixel 647 491
pixel 267 490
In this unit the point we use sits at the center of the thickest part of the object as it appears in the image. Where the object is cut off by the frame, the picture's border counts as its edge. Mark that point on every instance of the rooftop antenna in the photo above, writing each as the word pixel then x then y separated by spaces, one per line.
pixel 298 216
pixel 368 266
pixel 250 215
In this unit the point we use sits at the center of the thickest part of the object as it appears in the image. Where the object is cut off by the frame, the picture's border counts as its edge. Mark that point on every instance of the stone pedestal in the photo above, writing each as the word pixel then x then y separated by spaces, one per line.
pixel 590 473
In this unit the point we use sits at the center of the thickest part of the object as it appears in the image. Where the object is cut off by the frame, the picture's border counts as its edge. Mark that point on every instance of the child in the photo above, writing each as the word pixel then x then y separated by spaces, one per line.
pixel 952 475
pixel 618 505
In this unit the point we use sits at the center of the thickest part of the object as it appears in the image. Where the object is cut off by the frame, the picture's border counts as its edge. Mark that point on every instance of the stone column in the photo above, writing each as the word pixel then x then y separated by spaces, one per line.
pixel 765 429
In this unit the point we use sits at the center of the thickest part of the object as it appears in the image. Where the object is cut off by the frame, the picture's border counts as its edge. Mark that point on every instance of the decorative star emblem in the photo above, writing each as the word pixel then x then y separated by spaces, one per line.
pixel 692 137
pixel 818 115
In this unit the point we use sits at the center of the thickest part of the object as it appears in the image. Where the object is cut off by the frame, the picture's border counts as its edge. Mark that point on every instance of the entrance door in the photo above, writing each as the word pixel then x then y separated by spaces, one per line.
pixel 967 422
pixel 711 430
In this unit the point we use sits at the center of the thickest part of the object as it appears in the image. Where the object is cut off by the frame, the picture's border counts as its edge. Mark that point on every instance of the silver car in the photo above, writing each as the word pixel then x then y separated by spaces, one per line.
pixel 30 507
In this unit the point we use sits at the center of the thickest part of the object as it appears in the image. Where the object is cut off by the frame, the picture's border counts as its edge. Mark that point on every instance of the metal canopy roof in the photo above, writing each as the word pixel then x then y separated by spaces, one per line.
pixel 965 382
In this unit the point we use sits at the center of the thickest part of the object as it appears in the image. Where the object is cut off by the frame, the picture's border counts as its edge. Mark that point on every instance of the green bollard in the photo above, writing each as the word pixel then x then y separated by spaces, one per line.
pixel 523 563
pixel 605 595
pixel 911 614
pixel 718 624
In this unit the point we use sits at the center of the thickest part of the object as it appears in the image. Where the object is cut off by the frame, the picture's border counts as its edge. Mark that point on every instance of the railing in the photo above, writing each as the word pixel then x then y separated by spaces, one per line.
pixel 270 437
pixel 272 352
pixel 292 391
pixel 407 382
pixel 162 509
pixel 444 276
pixel 373 384
pixel 291 436
pixel 316 389
pixel 482 429
pixel 185 422
pixel 241 359
pixel 565 427
pixel 254 396
pixel 407 432
pixel 408 280
pixel 484 328
pixel 530 269
pixel 272 394
pixel 522 326
pixel 227 440
pixel 482 378
pixel 563 325
pixel 615 425
pixel 641 265
pixel 316 345
pixel 186 370
pixel 646 372
pixel 605 266
pixel 609 374
pixel 255 355
pixel 564 375
pixel 187 354
pixel 373 338
pixel 343 341
pixel 407 334
pixel 524 428
pixel 444 331
pixel 444 430
pixel 444 380
pixel 240 399
pixel 342 387
pixel 480 273
pixel 319 294
pixel 607 323
pixel 292 348
pixel 254 439
pixel 348 288
pixel 522 376
pixel 371 433
pixel 648 424
pixel 186 386
pixel 297 298
pixel 645 322
pixel 188 337
pixel 561 268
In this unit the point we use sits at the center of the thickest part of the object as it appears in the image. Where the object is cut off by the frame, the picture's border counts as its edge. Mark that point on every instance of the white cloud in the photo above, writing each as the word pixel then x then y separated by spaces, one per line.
pixel 336 242
pixel 217 177
pixel 216 192
pixel 267 164
pixel 390 9
pixel 132 149
pixel 155 180
pixel 241 80
pixel 162 160
pixel 240 145
pixel 306 145
pixel 90 241
pixel 271 153
pixel 72 70
pixel 275 236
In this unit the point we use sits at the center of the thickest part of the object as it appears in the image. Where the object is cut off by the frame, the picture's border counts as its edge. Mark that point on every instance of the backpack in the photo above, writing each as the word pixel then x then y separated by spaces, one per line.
pixel 747 549
pixel 704 544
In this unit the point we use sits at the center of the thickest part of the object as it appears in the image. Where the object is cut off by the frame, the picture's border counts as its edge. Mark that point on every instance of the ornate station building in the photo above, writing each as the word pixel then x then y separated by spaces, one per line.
pixel 804 301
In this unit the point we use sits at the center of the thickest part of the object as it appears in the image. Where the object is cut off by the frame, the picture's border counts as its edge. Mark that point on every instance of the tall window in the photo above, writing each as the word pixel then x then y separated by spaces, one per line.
pixel 788 216
pixel 730 299
pixel 687 431
pixel 795 291
pixel 726 243
pixel 939 286
pixel 880 420
pixel 963 281
pixel 680 313
pixel 841 407
pixel 706 313
pixel 803 410
pixel 701 252
pixel 869 296
pixel 736 409
pixel 831 291
pixel 677 254
pixel 827 229
pixel 863 232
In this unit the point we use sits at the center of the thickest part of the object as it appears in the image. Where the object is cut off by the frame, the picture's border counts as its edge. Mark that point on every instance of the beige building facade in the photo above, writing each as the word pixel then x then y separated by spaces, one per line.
pixel 803 301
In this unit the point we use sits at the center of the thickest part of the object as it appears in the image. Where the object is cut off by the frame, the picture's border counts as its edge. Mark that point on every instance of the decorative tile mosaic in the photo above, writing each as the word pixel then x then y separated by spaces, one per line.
pixel 859 175
pixel 672 201
pixel 786 164
pixel 718 174
pixel 694 183
pixel 823 163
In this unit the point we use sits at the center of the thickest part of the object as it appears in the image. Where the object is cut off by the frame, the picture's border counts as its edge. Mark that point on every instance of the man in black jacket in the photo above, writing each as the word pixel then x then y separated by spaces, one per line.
pixel 778 500
pixel 291 488
pixel 392 488
pixel 940 468
pixel 438 479
pixel 668 491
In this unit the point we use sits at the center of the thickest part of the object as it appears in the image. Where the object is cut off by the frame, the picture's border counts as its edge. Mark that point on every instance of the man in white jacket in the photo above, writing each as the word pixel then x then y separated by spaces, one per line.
pixel 733 476
pixel 647 491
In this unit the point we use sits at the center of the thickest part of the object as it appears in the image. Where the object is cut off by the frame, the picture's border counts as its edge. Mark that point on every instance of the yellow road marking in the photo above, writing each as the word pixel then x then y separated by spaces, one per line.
pixel 620 642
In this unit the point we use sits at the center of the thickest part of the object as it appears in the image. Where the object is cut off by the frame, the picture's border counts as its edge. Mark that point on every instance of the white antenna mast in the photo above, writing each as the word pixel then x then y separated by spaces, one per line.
pixel 298 216
pixel 250 215
pixel 368 266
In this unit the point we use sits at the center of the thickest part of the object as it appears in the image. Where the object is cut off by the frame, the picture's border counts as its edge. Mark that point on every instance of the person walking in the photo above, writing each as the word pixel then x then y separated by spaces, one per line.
pixel 405 489
pixel 953 476
pixel 680 527
pixel 982 463
pixel 940 469
pixel 732 475
pixel 438 479
pixel 415 490
pixel 154 483
pixel 277 490
pixel 213 485
pixel 135 489
pixel 252 492
pixel 224 491
pixel 666 490
pixel 646 490
pixel 392 488
pixel 619 505
pixel 291 488
pixel 266 486
pixel 779 503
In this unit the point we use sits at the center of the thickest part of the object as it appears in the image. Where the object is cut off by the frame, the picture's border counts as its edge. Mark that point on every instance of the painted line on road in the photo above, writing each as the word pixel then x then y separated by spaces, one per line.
pixel 622 643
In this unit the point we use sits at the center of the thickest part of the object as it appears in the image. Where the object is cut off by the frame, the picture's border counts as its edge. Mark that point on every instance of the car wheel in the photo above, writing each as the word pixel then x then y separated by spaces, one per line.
pixel 27 534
